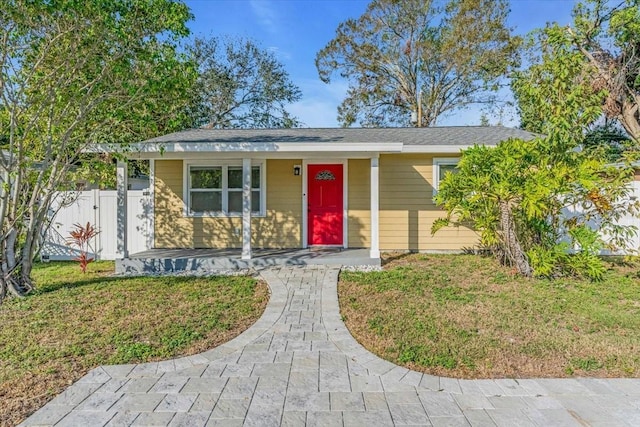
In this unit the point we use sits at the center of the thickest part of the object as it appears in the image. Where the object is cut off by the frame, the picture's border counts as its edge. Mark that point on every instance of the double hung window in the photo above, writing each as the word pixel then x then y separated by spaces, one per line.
pixel 216 190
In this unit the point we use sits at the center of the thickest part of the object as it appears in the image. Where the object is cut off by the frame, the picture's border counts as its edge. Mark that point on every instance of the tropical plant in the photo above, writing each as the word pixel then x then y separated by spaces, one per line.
pixel 535 201
pixel 532 207
pixel 80 236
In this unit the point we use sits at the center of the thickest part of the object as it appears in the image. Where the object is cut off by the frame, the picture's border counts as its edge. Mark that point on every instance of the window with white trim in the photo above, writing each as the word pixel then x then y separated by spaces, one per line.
pixel 216 189
pixel 441 167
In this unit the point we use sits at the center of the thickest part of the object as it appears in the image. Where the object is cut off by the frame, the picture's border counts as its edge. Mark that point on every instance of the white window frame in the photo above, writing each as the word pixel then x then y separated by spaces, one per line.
pixel 225 188
pixel 437 162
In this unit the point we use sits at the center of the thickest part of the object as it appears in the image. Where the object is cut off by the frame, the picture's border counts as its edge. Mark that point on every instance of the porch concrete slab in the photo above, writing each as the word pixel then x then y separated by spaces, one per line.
pixel 206 260
pixel 299 366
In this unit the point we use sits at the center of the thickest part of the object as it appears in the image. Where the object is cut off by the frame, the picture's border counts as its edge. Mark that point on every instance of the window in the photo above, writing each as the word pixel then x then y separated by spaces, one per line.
pixel 216 190
pixel 441 167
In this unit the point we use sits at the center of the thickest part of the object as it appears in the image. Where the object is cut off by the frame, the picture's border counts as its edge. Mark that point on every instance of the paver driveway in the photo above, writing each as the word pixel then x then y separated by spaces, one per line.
pixel 298 365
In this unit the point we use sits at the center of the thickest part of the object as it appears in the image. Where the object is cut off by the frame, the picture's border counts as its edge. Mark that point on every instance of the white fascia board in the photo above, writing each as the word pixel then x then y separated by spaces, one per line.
pixel 266 147
pixel 436 149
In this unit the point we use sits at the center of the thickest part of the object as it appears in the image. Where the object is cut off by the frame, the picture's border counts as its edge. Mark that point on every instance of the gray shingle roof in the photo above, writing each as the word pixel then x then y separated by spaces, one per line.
pixel 450 135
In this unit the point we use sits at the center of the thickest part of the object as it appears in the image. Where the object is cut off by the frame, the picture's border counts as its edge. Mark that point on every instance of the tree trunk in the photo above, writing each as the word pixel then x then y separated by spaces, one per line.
pixel 14 277
pixel 629 120
pixel 513 249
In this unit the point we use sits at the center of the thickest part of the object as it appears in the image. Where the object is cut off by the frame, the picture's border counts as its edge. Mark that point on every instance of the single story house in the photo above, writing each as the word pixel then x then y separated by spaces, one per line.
pixel 367 188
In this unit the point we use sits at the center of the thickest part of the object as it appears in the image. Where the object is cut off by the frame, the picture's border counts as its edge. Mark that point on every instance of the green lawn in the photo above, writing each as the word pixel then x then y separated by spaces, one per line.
pixel 466 316
pixel 75 322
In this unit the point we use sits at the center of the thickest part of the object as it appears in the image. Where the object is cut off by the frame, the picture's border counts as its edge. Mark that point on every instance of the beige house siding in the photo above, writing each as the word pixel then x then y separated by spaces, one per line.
pixel 359 203
pixel 280 228
pixel 407 210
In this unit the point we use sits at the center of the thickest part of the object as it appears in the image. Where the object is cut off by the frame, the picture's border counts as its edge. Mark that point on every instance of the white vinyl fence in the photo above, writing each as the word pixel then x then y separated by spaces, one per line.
pixel 633 242
pixel 99 208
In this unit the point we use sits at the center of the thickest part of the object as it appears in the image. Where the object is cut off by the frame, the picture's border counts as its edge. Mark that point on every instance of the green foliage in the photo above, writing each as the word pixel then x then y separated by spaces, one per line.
pixel 609 142
pixel 240 85
pixel 539 181
pixel 546 259
pixel 555 78
pixel 73 74
pixel 543 188
pixel 594 60
pixel 452 52
pixel 524 197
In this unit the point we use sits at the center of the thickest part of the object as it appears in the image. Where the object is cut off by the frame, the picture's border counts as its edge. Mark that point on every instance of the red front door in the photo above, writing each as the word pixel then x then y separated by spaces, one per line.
pixel 324 208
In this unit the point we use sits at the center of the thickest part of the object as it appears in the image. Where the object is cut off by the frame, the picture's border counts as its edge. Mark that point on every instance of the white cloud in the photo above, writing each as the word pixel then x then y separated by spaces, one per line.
pixel 267 16
pixel 319 105
pixel 315 113
pixel 279 53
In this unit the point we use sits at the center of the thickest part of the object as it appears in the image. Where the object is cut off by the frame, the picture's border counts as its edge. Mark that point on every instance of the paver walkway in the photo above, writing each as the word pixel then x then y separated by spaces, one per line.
pixel 298 365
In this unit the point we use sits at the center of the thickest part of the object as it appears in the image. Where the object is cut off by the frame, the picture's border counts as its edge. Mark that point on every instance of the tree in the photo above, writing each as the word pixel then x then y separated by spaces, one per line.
pixel 524 197
pixel 556 76
pixel 605 39
pixel 403 56
pixel 74 74
pixel 608 37
pixel 522 200
pixel 240 85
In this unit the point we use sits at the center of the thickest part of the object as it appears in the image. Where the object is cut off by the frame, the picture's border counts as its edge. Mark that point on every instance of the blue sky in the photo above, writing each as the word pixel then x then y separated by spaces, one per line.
pixel 295 30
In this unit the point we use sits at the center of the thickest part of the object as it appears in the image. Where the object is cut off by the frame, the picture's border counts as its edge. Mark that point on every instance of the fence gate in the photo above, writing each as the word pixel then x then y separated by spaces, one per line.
pixel 100 209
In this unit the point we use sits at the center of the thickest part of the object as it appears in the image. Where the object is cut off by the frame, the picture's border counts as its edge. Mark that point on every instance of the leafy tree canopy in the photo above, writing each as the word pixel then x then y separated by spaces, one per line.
pixel 240 85
pixel 599 53
pixel 534 201
pixel 452 52
pixel 73 73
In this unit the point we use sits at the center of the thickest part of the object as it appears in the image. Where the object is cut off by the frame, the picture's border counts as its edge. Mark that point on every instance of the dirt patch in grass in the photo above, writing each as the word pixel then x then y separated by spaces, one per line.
pixel 465 316
pixel 76 322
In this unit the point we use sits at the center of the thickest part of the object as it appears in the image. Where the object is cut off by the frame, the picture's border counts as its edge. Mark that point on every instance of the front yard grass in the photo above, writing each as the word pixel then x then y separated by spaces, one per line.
pixel 76 322
pixel 465 316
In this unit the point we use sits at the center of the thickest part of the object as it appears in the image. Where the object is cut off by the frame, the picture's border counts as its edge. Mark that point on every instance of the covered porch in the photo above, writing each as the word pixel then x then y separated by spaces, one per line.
pixel 206 260
pixel 248 202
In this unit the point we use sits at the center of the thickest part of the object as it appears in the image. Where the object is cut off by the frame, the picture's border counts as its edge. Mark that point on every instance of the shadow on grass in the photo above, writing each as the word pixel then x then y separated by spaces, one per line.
pixel 622 261
pixel 388 258
pixel 52 287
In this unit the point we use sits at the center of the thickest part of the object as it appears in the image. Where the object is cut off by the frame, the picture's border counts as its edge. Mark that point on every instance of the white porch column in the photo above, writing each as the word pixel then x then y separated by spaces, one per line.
pixel 246 208
pixel 374 252
pixel 121 188
pixel 151 239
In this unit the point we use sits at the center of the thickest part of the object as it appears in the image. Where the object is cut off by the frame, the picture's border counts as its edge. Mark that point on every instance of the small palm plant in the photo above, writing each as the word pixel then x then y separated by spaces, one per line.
pixel 80 236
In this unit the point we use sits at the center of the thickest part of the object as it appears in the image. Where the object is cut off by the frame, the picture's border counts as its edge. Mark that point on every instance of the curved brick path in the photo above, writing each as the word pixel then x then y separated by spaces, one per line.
pixel 298 365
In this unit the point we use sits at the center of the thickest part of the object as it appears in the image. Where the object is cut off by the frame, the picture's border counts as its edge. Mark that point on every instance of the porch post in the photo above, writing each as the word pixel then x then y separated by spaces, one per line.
pixel 246 208
pixel 121 221
pixel 374 252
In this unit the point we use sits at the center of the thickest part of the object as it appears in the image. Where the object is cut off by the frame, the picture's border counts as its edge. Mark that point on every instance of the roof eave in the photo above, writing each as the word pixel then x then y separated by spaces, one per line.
pixel 159 148
pixel 437 149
